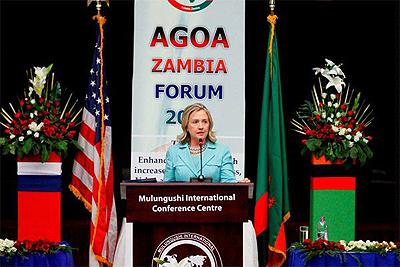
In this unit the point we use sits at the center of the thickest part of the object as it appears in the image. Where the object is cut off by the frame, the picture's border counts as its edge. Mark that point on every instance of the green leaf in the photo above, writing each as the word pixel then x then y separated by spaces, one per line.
pixel 367 150
pixel 313 144
pixel 75 143
pixel 353 152
pixel 28 144
pixel 55 93
pixel 49 68
pixel 3 141
pixel 361 155
pixel 45 153
pixel 61 146
pixel 13 147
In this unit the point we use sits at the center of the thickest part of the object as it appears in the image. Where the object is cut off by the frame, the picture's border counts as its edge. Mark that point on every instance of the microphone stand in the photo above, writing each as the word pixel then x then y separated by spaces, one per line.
pixel 201 176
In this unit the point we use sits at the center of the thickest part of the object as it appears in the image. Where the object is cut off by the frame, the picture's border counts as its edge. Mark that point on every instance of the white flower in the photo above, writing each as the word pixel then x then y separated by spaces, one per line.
pixel 324 95
pixel 359 134
pixel 343 242
pixel 349 130
pixel 338 115
pixel 12 136
pixel 35 112
pixel 336 105
pixel 35 127
pixel 329 104
pixel 329 62
pixel 333 96
pixel 38 85
pixel 31 115
pixel 338 71
pixel 332 115
pixel 342 131
pixel 30 91
pixel 348 137
pixel 33 101
pixel 323 115
pixel 351 144
pixel 36 135
pixel 29 132
pixel 21 138
pixel 356 138
pixel 365 140
pixel 329 120
pixel 335 129
pixel 337 82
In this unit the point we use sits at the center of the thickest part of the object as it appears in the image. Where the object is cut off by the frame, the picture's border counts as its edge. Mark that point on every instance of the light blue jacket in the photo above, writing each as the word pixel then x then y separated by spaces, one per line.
pixel 217 164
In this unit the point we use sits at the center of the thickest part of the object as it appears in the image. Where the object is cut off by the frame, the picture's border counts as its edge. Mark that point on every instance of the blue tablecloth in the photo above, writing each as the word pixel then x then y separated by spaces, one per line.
pixel 57 259
pixel 367 259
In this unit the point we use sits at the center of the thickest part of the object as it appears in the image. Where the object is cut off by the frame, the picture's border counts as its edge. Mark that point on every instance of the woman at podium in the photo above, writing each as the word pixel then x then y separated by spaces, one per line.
pixel 198 140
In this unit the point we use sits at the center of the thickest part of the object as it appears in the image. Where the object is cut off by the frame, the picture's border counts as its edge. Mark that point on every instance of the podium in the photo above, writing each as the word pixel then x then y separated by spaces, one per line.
pixel 200 223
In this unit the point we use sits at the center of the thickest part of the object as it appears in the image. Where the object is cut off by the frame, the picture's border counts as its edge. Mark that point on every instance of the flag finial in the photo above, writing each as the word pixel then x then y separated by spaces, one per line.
pixel 271 6
pixel 98 4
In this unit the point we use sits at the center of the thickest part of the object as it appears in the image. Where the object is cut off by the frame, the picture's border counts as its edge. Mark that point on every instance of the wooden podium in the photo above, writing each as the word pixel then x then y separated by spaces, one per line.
pixel 200 223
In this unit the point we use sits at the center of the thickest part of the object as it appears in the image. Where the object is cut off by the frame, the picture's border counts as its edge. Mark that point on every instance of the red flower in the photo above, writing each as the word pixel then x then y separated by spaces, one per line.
pixel 332 136
pixel 58 136
pixel 45 112
pixel 319 136
pixel 353 121
pixel 349 126
pixel 17 115
pixel 310 118
pixel 28 245
pixel 45 247
pixel 46 122
pixel 28 107
pixel 304 141
pixel 321 104
pixel 343 106
pixel 345 119
pixel 62 121
pixel 369 137
pixel 56 103
pixel 22 102
pixel 66 115
pixel 318 126
pixel 318 117
pixel 48 132
pixel 350 113
pixel 7 131
pixel 71 124
pixel 41 100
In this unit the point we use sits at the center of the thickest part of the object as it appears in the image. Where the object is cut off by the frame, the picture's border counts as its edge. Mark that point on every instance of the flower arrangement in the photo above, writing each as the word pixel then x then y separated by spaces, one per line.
pixel 317 248
pixel 41 123
pixel 9 248
pixel 336 249
pixel 334 122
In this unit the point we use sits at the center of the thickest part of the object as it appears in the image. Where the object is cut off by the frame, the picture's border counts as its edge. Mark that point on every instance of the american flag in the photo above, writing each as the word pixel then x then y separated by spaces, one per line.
pixel 92 173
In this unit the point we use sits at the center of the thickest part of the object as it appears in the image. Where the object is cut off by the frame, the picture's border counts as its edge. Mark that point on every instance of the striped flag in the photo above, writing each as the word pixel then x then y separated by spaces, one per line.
pixel 272 195
pixel 92 174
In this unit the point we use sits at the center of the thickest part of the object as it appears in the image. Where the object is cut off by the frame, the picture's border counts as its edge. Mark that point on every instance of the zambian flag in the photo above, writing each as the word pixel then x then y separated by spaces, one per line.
pixel 272 201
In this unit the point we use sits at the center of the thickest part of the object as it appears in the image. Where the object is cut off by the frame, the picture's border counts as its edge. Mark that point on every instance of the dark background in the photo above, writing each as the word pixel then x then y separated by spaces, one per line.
pixel 363 35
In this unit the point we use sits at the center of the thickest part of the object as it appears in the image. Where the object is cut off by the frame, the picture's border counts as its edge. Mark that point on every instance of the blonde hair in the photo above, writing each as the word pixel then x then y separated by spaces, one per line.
pixel 184 137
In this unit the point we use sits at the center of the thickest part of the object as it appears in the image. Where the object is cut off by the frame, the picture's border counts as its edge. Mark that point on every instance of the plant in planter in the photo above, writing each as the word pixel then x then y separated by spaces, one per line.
pixel 41 122
pixel 334 122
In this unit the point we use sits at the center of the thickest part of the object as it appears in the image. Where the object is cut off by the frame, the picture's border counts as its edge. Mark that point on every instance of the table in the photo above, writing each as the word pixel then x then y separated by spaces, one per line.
pixel 367 259
pixel 57 259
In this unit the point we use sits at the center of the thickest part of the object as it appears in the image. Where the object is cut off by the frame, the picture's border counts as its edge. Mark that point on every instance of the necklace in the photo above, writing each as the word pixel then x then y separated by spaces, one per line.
pixel 197 150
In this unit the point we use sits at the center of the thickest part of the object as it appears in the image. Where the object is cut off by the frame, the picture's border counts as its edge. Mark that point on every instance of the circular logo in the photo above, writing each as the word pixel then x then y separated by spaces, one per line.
pixel 187 249
pixel 190 5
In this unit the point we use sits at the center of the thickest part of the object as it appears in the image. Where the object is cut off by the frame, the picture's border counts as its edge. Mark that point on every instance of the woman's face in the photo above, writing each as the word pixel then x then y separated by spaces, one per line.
pixel 198 125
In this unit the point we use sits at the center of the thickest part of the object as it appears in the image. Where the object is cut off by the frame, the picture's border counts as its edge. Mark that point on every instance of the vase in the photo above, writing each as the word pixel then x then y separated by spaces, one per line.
pixel 333 196
pixel 39 197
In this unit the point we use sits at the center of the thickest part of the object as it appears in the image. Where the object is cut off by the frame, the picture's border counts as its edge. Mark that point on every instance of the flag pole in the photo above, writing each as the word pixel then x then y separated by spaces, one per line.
pixel 272 6
pixel 98 5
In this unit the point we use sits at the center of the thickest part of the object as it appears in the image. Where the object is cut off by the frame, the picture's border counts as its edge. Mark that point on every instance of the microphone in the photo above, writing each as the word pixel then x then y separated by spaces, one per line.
pixel 201 176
